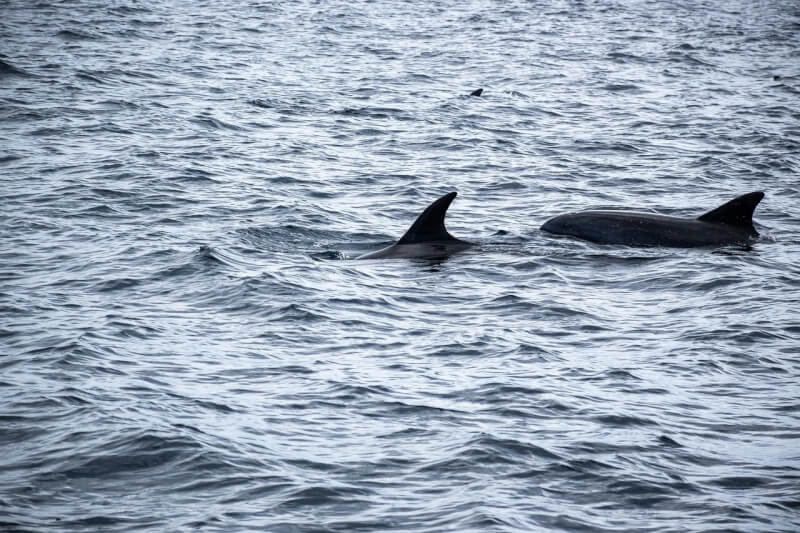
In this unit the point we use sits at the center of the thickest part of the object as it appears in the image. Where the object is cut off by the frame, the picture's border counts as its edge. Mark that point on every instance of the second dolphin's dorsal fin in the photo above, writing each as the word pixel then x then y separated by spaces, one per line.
pixel 737 212
pixel 429 226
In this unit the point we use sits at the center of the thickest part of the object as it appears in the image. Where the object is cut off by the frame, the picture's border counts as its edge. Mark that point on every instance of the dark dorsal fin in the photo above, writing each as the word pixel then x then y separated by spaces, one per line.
pixel 476 92
pixel 737 212
pixel 429 226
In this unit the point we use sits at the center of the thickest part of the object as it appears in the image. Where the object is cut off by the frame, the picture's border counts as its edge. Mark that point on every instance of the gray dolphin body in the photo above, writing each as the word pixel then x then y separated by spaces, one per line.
pixel 731 223
pixel 427 238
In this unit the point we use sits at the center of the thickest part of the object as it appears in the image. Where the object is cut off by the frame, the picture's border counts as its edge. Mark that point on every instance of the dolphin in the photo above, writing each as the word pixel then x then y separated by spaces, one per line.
pixel 427 238
pixel 730 223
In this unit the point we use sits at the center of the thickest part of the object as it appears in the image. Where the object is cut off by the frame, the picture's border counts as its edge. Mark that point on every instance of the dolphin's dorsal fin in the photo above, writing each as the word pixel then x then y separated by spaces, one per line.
pixel 429 226
pixel 737 212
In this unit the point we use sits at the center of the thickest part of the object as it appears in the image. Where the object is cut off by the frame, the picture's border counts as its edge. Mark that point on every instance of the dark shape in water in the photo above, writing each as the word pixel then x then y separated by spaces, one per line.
pixel 731 223
pixel 7 69
pixel 476 92
pixel 427 238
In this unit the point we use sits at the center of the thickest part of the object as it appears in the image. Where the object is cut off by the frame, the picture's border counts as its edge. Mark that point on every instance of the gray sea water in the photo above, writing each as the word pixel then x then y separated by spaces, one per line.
pixel 187 344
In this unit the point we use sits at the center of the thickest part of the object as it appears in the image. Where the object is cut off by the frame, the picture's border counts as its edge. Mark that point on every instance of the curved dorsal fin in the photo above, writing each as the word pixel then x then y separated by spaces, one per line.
pixel 737 212
pixel 429 226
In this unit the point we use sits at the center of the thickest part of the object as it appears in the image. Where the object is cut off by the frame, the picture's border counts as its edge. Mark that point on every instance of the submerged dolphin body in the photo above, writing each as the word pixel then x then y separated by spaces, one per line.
pixel 730 223
pixel 427 238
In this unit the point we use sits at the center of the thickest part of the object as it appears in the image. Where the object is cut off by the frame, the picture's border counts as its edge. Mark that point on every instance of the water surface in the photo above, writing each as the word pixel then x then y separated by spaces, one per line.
pixel 187 344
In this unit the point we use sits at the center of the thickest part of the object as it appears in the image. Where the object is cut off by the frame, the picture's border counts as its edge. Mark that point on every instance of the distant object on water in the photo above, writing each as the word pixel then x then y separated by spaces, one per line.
pixel 427 238
pixel 476 92
pixel 731 223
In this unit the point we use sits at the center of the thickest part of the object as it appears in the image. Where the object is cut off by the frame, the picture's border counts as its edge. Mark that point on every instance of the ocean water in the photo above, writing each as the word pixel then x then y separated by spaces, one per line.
pixel 187 344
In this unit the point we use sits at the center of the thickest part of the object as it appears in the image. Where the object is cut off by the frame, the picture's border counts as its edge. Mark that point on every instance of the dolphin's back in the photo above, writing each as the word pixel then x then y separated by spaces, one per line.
pixel 640 229
pixel 729 223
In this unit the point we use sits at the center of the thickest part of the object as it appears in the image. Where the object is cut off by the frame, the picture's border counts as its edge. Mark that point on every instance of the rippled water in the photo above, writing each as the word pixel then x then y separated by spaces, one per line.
pixel 187 343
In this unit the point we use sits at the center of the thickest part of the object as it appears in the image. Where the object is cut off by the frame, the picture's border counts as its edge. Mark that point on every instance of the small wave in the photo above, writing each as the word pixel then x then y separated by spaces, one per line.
pixel 204 259
pixel 348 392
pixel 129 10
pixel 216 124
pixel 667 441
pixel 647 493
pixel 294 237
pixel 623 421
pixel 110 127
pixel 105 192
pixel 618 87
pixel 46 132
pixel 97 521
pixel 7 69
pixel 90 77
pixel 328 255
pixel 317 496
pixel 116 284
pixel 380 113
pixel 741 482
pixel 211 255
pixel 292 313
pixel 77 35
pixel 7 158
pixel 263 103
pixel 606 147
pixel 264 486
pixel 622 57
pixel 689 59
pixel 127 454
pixel 486 451
pixel 101 209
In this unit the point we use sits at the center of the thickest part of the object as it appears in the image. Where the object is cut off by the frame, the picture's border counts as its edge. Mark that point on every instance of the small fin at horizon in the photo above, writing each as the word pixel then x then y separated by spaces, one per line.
pixel 476 92
pixel 737 212
pixel 429 226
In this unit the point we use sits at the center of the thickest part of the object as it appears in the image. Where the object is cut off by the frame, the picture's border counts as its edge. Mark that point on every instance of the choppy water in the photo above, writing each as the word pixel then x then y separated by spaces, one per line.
pixel 187 344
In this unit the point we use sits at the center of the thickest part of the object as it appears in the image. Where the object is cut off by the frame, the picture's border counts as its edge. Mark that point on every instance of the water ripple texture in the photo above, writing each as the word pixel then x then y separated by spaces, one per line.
pixel 187 344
